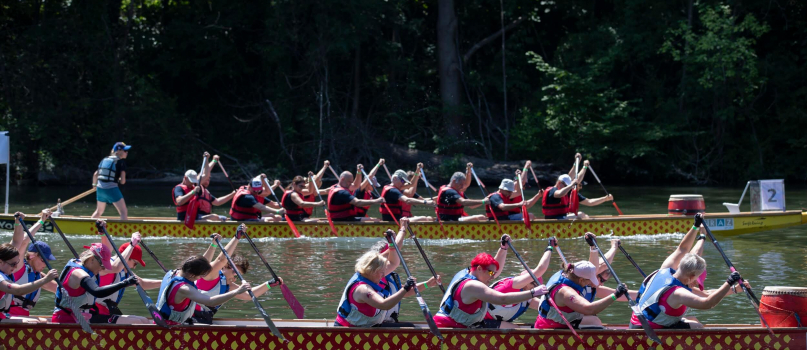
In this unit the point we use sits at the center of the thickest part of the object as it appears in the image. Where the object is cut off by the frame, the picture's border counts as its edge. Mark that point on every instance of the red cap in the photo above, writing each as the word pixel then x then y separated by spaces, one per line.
pixel 137 253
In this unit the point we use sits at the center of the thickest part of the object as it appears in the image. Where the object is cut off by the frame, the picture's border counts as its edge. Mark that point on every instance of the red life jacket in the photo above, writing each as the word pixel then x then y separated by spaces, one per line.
pixel 501 215
pixel 396 208
pixel 245 213
pixel 516 210
pixel 339 211
pixel 555 209
pixel 309 198
pixel 575 202
pixel 367 195
pixel 288 204
pixel 205 202
pixel 443 208
pixel 185 190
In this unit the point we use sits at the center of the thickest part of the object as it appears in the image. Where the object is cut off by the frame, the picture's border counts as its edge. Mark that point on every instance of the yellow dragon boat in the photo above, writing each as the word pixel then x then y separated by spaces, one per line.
pixel 726 224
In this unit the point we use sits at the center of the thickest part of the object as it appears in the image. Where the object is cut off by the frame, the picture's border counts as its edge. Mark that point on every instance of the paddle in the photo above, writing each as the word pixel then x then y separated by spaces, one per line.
pixel 71 200
pixel 525 215
pixel 334 173
pixel 258 306
pixel 645 325
pixel 481 185
pixel 143 244
pixel 425 258
pixel 379 196
pixel 619 244
pixel 225 175
pixel 603 188
pixel 548 297
pixel 560 254
pixel 155 314
pixel 75 311
pixel 193 205
pixel 295 305
pixel 436 213
pixel 64 238
pixel 286 216
pixel 748 292
pixel 573 199
pixel 327 212
pixel 389 175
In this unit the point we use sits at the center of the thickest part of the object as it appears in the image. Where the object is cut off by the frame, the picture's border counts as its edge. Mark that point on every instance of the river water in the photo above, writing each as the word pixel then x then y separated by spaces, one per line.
pixel 316 270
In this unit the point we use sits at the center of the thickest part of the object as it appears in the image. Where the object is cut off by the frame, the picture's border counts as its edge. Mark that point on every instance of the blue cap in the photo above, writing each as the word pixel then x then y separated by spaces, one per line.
pixel 121 146
pixel 44 247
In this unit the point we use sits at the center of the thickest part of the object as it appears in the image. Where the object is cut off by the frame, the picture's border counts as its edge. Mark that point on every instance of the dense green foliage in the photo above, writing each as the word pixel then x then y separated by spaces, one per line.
pixel 704 92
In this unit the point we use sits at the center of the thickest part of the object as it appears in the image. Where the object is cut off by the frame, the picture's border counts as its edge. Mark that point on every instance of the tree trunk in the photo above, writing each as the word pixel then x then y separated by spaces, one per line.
pixel 448 65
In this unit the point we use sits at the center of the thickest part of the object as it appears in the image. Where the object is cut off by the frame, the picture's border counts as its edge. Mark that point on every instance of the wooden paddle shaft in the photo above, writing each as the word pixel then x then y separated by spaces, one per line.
pixel 71 200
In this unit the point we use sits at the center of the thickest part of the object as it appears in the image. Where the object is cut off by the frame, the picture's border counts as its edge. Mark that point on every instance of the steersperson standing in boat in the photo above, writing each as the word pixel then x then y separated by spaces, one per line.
pixel 510 312
pixel 556 203
pixel 667 294
pixel 342 204
pixel 221 278
pixel 465 303
pixel 395 198
pixel 111 172
pixel 502 203
pixel 207 200
pixel 10 259
pixel 451 199
pixel 295 201
pixel 250 202
pixel 365 303
pixel 31 269
pixel 179 296
pixel 365 190
pixel 78 280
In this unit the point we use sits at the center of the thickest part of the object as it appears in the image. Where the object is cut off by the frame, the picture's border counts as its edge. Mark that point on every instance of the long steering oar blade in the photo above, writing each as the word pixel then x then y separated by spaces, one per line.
pixel 225 175
pixel 153 256
pixel 327 212
pixel 627 256
pixel 436 213
pixel 603 188
pixel 423 307
pixel 295 305
pixel 258 305
pixel 64 238
pixel 525 215
pixel 75 311
pixel 748 292
pixel 645 325
pixel 155 314
pixel 538 281
pixel 286 216
pixel 425 258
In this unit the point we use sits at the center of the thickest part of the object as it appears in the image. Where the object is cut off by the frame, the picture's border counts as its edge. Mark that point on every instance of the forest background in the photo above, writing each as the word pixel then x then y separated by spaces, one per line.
pixel 681 91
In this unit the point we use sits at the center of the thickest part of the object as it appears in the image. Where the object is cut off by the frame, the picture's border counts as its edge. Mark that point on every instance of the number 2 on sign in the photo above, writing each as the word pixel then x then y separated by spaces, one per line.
pixel 773 194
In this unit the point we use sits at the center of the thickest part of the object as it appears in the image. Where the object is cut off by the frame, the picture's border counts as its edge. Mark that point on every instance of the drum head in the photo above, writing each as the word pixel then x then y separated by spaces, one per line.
pixel 781 290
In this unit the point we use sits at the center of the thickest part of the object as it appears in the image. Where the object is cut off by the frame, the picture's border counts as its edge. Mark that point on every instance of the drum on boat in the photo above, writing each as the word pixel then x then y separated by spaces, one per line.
pixel 784 306
pixel 686 204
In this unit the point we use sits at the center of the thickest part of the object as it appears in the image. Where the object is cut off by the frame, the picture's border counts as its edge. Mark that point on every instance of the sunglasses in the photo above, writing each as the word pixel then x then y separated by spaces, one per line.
pixel 603 277
pixel 14 264
pixel 100 262
pixel 491 273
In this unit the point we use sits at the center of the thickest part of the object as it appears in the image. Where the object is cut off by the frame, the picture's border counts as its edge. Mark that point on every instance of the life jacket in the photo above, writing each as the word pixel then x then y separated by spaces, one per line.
pixel 239 213
pixel 554 209
pixel 205 202
pixel 545 309
pixel 5 299
pixel 515 210
pixel 185 190
pixel 392 284
pixel 339 211
pixel 450 305
pixel 500 215
pixel 396 208
pixel 309 198
pixel 83 300
pixel 165 303
pixel 365 195
pixel 109 305
pixel 288 204
pixel 21 305
pixel 507 312
pixel 107 169
pixel 220 287
pixel 444 208
pixel 574 201
pixel 350 313
pixel 651 300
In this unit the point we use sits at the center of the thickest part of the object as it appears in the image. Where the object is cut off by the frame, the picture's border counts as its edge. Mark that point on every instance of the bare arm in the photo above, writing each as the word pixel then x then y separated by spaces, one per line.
pixel 567 296
pixel 223 200
pixel 393 260
pixel 122 180
pixel 357 180
pixel 365 294
pixel 181 200
pixel 683 297
pixel 501 257
pixel 468 175
pixel 366 202
pixel 267 209
pixel 301 203
pixel 318 176
pixel 22 289
pixel 524 280
pixel 475 290
pixel 197 296
pixel 211 249
pixel 674 259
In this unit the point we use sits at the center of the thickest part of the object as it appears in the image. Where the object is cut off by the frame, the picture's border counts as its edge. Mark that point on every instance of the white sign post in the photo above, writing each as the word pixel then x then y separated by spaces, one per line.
pixel 5 156
pixel 772 194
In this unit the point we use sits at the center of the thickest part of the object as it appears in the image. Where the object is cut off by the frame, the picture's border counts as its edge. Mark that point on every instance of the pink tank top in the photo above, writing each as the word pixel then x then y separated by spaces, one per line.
pixel 364 308
pixel 545 323
pixel 444 321
pixel 205 285
pixel 17 310
pixel 505 287
pixel 667 309
pixel 61 316
pixel 173 304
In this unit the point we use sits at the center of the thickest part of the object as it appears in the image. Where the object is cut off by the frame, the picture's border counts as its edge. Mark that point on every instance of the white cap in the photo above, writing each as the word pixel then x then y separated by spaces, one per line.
pixel 566 179
pixel 191 175
pixel 375 182
pixel 256 183
pixel 508 185
pixel 586 269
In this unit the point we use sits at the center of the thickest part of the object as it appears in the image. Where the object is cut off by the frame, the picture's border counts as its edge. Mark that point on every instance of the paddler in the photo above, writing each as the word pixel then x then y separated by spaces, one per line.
pixel 557 203
pixel 668 293
pixel 342 204
pixel 250 203
pixel 365 190
pixel 411 190
pixel 467 297
pixel 10 260
pixel 179 296
pixel 395 199
pixel 221 278
pixel 111 172
pixel 32 267
pixel 295 201
pixel 207 200
pixel 515 284
pixel 451 198
pixel 503 205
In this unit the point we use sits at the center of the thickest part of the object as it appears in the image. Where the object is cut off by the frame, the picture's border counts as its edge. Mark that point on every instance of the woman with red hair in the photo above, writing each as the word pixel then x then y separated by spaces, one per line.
pixel 466 300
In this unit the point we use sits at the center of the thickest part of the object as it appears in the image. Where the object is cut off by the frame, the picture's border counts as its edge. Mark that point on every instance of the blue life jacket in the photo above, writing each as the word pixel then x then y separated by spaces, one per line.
pixel 659 284
pixel 449 305
pixel 221 288
pixel 107 169
pixel 29 300
pixel 354 316
pixel 112 301
pixel 546 310
pixel 392 286
pixel 85 302
pixel 166 286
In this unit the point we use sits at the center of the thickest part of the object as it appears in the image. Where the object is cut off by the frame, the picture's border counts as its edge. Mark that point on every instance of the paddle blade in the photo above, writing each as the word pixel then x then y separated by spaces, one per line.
pixel 617 208
pixel 77 315
pixel 293 228
pixel 526 216
pixel 267 319
pixel 646 326
pixel 155 314
pixel 190 215
pixel 295 305
pixel 552 302
pixel 428 316
pixel 330 222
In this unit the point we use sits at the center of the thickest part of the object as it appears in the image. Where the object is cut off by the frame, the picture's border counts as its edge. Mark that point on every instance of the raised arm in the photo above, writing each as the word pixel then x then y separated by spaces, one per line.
pixel 683 248
pixel 525 279
pixel 468 177
pixel 224 200
pixel 320 173
pixel 501 255
pixel 357 180
pixel 117 264
pixel 212 248
pixel 372 173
